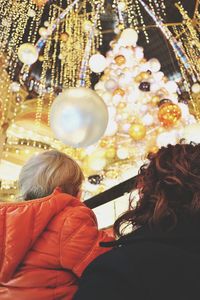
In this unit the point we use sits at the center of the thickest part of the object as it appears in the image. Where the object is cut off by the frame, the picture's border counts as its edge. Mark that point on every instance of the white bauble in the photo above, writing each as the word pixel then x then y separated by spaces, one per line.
pixel 184 110
pixel 196 88
pixel 191 133
pixel 158 76
pixel 128 37
pixel 28 54
pixel 166 138
pixel 122 153
pixel 107 97
pixel 139 53
pixel 148 120
pixel 110 85
pixel 154 65
pixel 99 86
pixel 97 63
pixel 111 128
pixel 78 117
pixel 171 86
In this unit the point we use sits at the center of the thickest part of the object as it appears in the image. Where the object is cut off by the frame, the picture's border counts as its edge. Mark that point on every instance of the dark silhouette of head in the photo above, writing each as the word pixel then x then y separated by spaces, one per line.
pixel 169 190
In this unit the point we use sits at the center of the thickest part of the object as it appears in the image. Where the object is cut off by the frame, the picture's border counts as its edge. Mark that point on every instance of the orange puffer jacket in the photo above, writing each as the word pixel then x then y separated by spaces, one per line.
pixel 45 245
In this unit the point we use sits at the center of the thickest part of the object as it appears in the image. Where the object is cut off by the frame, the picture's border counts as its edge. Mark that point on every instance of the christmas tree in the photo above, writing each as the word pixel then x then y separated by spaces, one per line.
pixel 144 112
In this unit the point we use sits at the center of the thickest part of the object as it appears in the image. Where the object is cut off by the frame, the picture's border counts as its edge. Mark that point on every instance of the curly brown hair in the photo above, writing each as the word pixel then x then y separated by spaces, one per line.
pixel 169 190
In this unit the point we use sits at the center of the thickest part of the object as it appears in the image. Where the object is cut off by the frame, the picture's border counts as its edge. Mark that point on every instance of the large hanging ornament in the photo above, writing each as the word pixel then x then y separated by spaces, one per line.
pixel 191 133
pixel 169 114
pixel 128 37
pixel 97 63
pixel 78 117
pixel 137 131
pixel 28 54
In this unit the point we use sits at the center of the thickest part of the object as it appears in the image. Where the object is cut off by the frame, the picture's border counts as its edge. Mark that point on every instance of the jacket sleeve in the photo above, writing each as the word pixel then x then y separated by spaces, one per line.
pixel 80 238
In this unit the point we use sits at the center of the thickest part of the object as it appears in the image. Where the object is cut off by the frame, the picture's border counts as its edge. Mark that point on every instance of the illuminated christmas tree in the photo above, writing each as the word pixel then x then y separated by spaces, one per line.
pixel 144 112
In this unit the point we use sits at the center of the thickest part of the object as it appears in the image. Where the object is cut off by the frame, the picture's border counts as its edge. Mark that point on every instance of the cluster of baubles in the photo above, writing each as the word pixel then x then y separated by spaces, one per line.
pixel 144 112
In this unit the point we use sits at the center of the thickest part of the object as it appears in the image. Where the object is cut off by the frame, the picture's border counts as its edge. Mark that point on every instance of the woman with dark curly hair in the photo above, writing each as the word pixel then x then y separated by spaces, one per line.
pixel 160 258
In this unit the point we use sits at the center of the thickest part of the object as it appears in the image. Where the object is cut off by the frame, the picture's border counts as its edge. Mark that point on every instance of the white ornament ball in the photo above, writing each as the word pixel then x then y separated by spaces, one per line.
pixel 139 53
pixel 97 63
pixel 158 76
pixel 166 138
pixel 111 128
pixel 107 97
pixel 191 133
pixel 196 88
pixel 28 54
pixel 121 5
pixel 128 37
pixel 171 86
pixel 43 32
pixel 122 153
pixel 99 86
pixel 78 117
pixel 154 65
pixel 15 87
pixel 110 85
pixel 148 120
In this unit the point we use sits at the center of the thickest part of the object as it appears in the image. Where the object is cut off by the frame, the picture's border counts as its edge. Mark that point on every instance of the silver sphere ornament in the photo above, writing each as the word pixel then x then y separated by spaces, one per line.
pixel 78 117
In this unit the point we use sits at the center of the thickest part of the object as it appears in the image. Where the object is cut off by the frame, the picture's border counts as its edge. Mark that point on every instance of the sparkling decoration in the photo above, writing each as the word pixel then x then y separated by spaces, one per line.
pixel 144 86
pixel 97 63
pixel 28 53
pixel 137 131
pixel 120 60
pixel 169 114
pixel 78 117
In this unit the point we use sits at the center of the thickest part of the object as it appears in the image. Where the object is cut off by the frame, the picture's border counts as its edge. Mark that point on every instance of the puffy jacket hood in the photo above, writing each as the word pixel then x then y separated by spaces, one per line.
pixel 20 225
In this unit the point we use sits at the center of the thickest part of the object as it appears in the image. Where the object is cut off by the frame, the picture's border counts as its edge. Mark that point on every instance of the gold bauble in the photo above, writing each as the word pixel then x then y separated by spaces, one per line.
pixel 169 114
pixel 138 78
pixel 144 75
pixel 155 100
pixel 121 105
pixel 112 174
pixel 119 91
pixel 110 152
pixel 120 60
pixel 64 36
pixel 137 131
pixel 153 149
pixel 103 143
pixel 41 58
